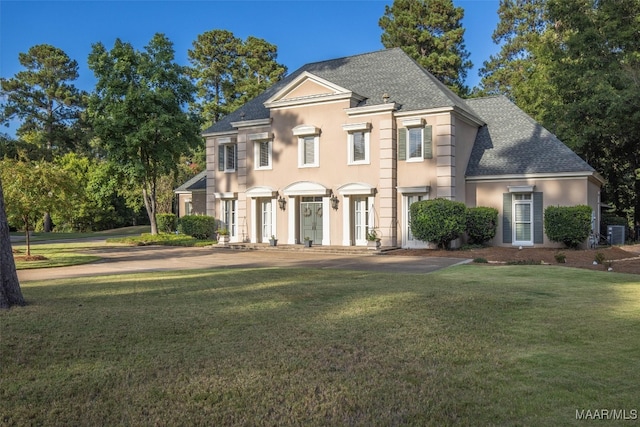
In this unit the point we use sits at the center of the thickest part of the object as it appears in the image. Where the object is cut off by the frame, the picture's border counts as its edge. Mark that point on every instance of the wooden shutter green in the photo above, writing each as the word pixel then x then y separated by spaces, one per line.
pixel 538 223
pixel 507 232
pixel 402 144
pixel 427 139
pixel 221 157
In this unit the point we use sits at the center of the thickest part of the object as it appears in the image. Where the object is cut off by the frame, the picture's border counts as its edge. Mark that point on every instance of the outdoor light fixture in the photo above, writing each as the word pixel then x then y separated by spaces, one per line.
pixel 282 202
pixel 334 201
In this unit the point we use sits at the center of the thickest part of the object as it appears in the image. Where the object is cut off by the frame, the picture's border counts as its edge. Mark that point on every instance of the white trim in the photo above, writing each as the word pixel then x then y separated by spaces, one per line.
pixel 350 150
pixel 355 127
pixel 413 122
pixel 255 232
pixel 228 140
pixel 305 188
pixel 414 190
pixel 222 133
pixel 371 109
pixel 306 130
pixel 462 113
pixel 346 214
pixel 261 191
pixel 521 188
pixel 226 195
pixel 302 150
pixel 251 123
pixel 262 136
pixel 545 176
pixel 257 156
pixel 291 225
pixel 326 221
pixel 356 189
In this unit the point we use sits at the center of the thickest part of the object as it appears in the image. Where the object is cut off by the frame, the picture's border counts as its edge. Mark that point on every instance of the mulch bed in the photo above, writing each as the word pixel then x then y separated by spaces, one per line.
pixel 622 259
pixel 29 258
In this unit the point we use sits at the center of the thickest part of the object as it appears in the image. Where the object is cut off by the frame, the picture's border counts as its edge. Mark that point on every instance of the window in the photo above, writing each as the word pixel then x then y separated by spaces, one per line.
pixel 522 217
pixel 358 148
pixel 308 150
pixel 227 157
pixel 187 207
pixel 415 143
pixel 262 154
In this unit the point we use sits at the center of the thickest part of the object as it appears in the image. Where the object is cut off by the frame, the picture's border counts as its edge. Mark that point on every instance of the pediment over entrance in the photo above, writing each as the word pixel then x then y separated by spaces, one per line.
pixel 305 188
pixel 356 189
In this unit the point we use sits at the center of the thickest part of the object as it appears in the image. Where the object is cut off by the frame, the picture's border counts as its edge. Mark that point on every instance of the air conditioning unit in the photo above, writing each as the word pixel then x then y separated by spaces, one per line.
pixel 615 234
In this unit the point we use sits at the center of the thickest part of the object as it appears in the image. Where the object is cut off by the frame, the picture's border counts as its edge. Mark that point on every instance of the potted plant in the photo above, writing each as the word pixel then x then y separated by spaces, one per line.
pixel 308 242
pixel 273 241
pixel 373 241
pixel 223 236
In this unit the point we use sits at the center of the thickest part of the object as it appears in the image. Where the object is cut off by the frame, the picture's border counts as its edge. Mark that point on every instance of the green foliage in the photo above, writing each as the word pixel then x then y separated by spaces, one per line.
pixel 480 260
pixel 570 225
pixel 229 72
pixel 167 222
pixel 42 98
pixel 198 226
pixel 33 188
pixel 609 218
pixel 560 257
pixel 137 111
pixel 482 223
pixel 438 221
pixel 600 258
pixel 431 32
pixel 163 239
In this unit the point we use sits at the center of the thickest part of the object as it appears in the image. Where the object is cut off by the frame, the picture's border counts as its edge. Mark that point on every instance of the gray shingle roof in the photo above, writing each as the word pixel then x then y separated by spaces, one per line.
pixel 198 182
pixel 370 75
pixel 512 143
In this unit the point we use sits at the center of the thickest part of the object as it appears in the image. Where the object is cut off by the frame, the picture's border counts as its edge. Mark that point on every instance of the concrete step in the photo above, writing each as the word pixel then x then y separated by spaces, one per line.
pixel 351 250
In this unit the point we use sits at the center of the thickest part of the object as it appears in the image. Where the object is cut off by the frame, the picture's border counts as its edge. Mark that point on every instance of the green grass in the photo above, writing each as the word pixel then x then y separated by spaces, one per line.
pixel 161 239
pixel 44 237
pixel 469 345
pixel 56 254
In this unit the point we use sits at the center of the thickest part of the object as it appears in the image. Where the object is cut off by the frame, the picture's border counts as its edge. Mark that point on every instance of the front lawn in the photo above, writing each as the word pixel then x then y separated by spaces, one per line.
pixel 469 345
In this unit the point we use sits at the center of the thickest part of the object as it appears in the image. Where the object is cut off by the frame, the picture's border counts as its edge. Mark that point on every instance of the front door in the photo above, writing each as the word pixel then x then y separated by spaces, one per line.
pixel 311 219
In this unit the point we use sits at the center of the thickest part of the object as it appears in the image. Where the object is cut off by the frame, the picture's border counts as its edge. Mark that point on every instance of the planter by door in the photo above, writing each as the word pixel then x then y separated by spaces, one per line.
pixel 273 242
pixel 223 240
pixel 308 243
pixel 373 245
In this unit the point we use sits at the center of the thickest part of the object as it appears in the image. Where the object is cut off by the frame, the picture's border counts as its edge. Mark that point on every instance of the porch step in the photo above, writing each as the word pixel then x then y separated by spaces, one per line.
pixel 352 250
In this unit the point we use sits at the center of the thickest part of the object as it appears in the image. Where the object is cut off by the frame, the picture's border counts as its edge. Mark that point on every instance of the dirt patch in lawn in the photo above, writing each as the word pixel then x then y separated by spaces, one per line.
pixel 30 258
pixel 622 259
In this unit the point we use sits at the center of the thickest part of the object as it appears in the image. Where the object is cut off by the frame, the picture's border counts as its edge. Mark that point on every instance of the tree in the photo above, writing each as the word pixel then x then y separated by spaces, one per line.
pixel 431 32
pixel 43 98
pixel 595 60
pixel 230 72
pixel 31 189
pixel 10 293
pixel 137 112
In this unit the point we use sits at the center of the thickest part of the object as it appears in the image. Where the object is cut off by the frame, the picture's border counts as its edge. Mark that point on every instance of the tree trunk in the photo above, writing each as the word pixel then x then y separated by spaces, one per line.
pixel 150 205
pixel 47 223
pixel 10 293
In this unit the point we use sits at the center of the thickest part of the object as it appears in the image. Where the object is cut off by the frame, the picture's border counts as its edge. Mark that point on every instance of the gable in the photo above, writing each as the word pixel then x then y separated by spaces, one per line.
pixel 308 88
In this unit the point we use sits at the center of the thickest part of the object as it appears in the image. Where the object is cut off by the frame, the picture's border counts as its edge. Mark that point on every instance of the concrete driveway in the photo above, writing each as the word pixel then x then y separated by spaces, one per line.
pixel 122 260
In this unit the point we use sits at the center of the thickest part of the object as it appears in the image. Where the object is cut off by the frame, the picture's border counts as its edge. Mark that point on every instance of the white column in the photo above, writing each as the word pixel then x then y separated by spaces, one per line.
pixel 346 223
pixel 291 201
pixel 326 221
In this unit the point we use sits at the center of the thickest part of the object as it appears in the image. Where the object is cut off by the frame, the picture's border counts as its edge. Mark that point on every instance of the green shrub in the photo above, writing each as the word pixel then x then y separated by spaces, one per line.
pixel 198 226
pixel 482 223
pixel 167 222
pixel 480 260
pixel 560 257
pixel 438 221
pixel 570 225
pixel 600 258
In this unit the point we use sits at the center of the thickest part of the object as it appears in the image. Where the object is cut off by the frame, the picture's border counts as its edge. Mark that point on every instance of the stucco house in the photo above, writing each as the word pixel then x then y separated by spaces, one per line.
pixel 191 196
pixel 343 146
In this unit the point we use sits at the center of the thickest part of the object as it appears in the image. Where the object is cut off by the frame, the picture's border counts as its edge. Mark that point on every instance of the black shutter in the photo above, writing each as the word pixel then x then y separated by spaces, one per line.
pixel 507 232
pixel 538 223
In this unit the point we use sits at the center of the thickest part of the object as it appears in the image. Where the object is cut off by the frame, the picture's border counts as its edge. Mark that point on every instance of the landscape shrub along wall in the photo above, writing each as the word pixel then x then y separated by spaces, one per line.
pixel 198 226
pixel 570 225
pixel 438 221
pixel 167 222
pixel 482 223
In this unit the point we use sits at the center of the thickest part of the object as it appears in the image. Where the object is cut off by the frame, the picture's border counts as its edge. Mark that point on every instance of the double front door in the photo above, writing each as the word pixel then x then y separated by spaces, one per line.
pixel 311 219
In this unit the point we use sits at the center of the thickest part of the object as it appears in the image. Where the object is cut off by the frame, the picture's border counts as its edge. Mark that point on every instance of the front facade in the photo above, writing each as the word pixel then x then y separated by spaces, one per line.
pixel 343 147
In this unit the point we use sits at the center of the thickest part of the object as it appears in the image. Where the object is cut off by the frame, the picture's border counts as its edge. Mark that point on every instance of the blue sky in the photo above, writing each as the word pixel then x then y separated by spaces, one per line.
pixel 303 31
